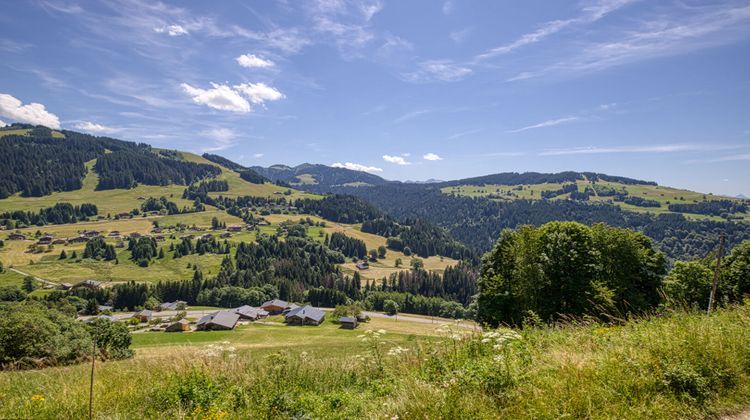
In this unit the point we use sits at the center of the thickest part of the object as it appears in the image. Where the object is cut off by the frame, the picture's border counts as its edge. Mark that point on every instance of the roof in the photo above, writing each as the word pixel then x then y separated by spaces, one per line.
pixel 250 312
pixel 88 283
pixel 171 306
pixel 145 312
pixel 348 320
pixel 226 319
pixel 276 302
pixel 307 312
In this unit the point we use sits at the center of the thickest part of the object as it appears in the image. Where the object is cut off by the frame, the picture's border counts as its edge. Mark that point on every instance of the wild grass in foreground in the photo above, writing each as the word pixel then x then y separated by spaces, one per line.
pixel 683 365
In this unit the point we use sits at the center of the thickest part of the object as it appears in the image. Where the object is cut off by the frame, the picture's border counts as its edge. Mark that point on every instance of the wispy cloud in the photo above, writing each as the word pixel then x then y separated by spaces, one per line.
pixel 658 148
pixel 590 13
pixel 356 167
pixel 398 160
pixel 91 127
pixel 695 28
pixel 411 115
pixel 431 157
pixel 463 134
pixel 548 123
pixel 172 30
pixel 223 138
pixel 438 70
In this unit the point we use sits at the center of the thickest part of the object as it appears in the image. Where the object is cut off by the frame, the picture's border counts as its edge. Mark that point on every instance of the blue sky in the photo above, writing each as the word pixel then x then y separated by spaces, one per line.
pixel 404 89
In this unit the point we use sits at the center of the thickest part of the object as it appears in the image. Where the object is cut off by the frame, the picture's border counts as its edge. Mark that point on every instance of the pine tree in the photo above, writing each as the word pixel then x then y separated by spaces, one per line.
pixel 63 255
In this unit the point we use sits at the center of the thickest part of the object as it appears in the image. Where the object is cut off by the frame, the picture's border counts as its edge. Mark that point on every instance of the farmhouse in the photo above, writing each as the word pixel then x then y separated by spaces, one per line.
pixel 91 233
pixel 225 235
pixel 17 237
pixel 114 233
pixel 88 284
pixel 65 286
pixel 178 326
pixel 221 320
pixel 177 305
pixel 46 239
pixel 306 315
pixel 248 312
pixel 275 306
pixel 363 265
pixel 144 315
pixel 234 228
pixel 348 322
pixel 59 241
pixel 78 239
pixel 135 235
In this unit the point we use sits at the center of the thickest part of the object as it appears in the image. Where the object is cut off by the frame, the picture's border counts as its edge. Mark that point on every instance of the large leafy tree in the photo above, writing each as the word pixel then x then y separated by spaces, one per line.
pixel 567 268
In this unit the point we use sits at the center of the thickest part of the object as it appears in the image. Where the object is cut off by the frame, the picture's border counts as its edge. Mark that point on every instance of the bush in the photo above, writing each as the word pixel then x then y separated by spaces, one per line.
pixel 390 307
pixel 112 339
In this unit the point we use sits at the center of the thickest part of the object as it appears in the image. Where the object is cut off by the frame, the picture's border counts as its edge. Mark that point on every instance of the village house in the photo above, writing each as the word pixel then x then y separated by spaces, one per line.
pixel 91 233
pixel 87 284
pixel 234 228
pixel 114 233
pixel 135 235
pixel 178 305
pixel 221 320
pixel 248 312
pixel 363 265
pixel 17 237
pixel 60 241
pixel 306 315
pixel 225 235
pixel 123 215
pixel 348 322
pixel 144 315
pixel 275 306
pixel 77 239
pixel 178 326
pixel 289 308
pixel 65 286
pixel 46 239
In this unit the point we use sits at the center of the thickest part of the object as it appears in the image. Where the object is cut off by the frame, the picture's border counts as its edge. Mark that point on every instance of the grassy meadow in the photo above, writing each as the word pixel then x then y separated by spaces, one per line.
pixel 677 365
pixel 664 195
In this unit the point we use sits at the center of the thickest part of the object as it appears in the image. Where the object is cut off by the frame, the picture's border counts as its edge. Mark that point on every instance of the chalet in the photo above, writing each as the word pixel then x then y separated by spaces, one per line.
pixel 157 230
pixel 248 312
pixel 114 233
pixel 123 215
pixel 135 235
pixel 87 284
pixel 177 305
pixel 264 223
pixel 178 326
pixel 77 239
pixel 94 318
pixel 60 241
pixel 17 237
pixel 289 308
pixel 91 233
pixel 160 238
pixel 64 286
pixel 234 228
pixel 225 235
pixel 221 320
pixel 187 236
pixel 46 239
pixel 275 306
pixel 348 322
pixel 105 308
pixel 306 315
pixel 206 236
pixel 363 265
pixel 144 315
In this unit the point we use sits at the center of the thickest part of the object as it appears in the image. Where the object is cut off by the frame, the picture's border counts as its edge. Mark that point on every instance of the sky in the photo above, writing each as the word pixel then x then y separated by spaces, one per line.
pixel 408 90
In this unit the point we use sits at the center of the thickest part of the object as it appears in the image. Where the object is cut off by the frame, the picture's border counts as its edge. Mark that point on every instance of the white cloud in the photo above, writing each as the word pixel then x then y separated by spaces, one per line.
pixel 2 123
pixel 548 123
pixel 258 155
pixel 221 97
pixel 259 93
pixel 398 160
pixel 370 9
pixel 95 128
pixel 606 107
pixel 223 139
pixel 172 30
pixel 438 70
pixel 356 167
pixel 33 113
pixel 431 156
pixel 253 61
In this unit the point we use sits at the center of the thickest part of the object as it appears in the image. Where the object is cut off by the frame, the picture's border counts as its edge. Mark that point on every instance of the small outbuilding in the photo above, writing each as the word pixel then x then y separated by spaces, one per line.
pixel 17 237
pixel 178 326
pixel 177 305
pixel 363 265
pixel 87 284
pixel 221 320
pixel 348 322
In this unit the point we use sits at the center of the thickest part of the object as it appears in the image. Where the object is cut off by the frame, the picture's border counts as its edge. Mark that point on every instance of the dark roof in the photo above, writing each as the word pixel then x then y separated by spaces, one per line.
pixel 250 312
pixel 348 320
pixel 224 319
pixel 146 312
pixel 276 302
pixel 307 312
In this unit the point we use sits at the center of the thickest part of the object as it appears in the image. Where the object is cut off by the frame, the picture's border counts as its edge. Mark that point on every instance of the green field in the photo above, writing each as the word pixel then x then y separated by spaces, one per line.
pixel 25 131
pixel 664 195
pixel 678 365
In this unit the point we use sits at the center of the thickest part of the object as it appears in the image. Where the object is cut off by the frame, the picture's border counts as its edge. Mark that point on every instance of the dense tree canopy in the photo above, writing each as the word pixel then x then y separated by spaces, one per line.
pixel 567 268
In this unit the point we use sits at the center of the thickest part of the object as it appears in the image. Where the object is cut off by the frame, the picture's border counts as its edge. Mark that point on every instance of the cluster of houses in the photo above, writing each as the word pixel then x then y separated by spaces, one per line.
pixel 229 318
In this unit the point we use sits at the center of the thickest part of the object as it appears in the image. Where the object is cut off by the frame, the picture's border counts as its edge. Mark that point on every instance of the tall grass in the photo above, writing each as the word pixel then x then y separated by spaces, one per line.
pixel 683 365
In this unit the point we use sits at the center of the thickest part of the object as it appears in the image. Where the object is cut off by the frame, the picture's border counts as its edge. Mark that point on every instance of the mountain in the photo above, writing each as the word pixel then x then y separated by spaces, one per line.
pixel 319 178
